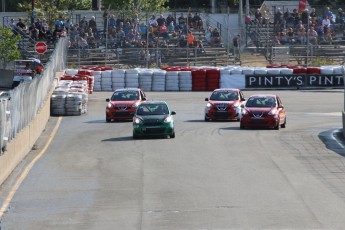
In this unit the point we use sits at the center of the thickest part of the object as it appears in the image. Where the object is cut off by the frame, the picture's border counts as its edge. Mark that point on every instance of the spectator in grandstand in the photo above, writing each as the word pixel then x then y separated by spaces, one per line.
pixel 13 26
pixel 320 33
pixel 302 36
pixel 279 38
pixel 289 19
pixel 21 26
pixel 328 13
pixel 82 43
pixel 326 23
pixel 93 26
pixel 163 31
pixel 47 33
pixel 305 17
pixel 127 27
pixel 208 35
pixel 143 29
pixel 84 24
pixel 182 42
pixel 112 22
pixel 278 16
pixel 105 19
pixel 120 37
pixel 312 36
pixel 328 36
pixel 171 27
pixel 118 22
pixel 90 38
pixel 258 16
pixel 190 20
pixel 197 20
pixel 215 38
pixel 74 33
pixel 190 39
pixel 291 36
pixel 161 20
pixel 340 16
pixel 119 26
pixel 34 32
pixel 295 16
pixel 68 25
pixel 313 14
pixel 236 42
pixel 182 22
pixel 41 30
pixel 170 19
pixel 153 22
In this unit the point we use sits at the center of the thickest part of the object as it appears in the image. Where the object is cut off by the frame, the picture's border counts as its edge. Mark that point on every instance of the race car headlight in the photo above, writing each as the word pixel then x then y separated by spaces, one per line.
pixel 168 119
pixel 137 121
pixel 235 105
pixel 136 104
pixel 273 112
pixel 209 105
pixel 244 112
pixel 109 105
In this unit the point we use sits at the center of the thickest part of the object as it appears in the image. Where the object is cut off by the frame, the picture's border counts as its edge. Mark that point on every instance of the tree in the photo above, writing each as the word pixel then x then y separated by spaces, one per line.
pixel 8 46
pixel 133 7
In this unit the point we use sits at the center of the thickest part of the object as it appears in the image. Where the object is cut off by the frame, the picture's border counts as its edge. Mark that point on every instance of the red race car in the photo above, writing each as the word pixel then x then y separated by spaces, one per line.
pixel 123 104
pixel 224 104
pixel 263 111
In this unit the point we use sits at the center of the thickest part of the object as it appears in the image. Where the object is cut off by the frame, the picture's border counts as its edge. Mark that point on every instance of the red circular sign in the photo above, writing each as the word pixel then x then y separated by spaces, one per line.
pixel 41 47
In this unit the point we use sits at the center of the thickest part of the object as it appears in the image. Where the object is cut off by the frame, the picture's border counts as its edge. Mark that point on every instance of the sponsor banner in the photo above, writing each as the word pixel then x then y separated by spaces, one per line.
pixel 298 80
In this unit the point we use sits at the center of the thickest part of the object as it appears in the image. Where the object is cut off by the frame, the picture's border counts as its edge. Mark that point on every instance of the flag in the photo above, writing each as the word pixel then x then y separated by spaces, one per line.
pixel 302 5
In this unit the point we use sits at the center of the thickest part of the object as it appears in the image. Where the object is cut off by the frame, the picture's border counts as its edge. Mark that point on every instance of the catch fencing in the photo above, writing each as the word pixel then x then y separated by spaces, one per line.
pixel 21 104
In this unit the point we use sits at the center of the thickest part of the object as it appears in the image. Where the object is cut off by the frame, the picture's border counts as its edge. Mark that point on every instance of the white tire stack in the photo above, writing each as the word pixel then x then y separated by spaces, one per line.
pixel 97 80
pixel 58 102
pixel 273 71
pixel 185 80
pixel 118 79
pixel 248 70
pixel 172 81
pixel 106 84
pixel 260 71
pixel 74 104
pixel 158 80
pixel 286 71
pixel 132 78
pixel 145 79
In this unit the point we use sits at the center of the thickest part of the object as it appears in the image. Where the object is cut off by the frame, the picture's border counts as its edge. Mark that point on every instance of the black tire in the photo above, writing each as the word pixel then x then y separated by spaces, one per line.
pixel 135 136
pixel 277 126
pixel 108 120
pixel 206 118
pixel 241 126
pixel 172 135
pixel 284 124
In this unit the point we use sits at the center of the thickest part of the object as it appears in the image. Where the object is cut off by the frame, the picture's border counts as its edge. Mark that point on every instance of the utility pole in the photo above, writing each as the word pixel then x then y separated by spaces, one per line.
pixel 33 13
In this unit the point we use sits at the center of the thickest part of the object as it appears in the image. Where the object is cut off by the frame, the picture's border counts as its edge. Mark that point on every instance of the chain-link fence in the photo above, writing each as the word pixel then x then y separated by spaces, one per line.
pixel 21 104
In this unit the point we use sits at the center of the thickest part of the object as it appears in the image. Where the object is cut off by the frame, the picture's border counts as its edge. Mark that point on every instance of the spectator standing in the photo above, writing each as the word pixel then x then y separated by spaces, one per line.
pixel 258 16
pixel 84 24
pixel 46 28
pixel 236 41
pixel 190 20
pixel 21 26
pixel 313 14
pixel 93 26
pixel 190 39
pixel 305 17
pixel 153 22
pixel 163 31
pixel 198 24
pixel 13 26
pixel 215 38
pixel 328 13
pixel 161 20
pixel 341 16
pixel 326 23
pixel 33 32
pixel 312 36
pixel 182 22
pixel 302 36
pixel 112 22
pixel 105 20
pixel 170 19
pixel 208 35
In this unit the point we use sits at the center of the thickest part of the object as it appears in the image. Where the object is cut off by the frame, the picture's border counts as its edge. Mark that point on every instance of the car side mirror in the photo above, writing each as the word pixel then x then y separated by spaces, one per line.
pixel 144 98
pixel 206 99
pixel 243 99
pixel 280 106
pixel 173 113
pixel 107 100
pixel 242 105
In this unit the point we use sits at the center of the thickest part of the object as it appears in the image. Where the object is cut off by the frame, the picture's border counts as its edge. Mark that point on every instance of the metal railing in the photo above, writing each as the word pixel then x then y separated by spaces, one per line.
pixel 21 104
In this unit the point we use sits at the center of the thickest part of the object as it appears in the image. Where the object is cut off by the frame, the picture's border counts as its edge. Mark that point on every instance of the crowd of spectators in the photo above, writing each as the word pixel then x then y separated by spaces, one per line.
pixel 306 27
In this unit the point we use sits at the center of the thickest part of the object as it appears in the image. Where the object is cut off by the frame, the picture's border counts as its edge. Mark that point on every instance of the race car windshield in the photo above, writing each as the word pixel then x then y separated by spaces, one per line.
pixel 153 109
pixel 224 96
pixel 263 102
pixel 125 96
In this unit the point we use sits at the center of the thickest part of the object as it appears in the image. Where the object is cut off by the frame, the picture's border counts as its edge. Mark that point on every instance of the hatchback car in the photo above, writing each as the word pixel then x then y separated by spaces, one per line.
pixel 123 104
pixel 224 104
pixel 263 111
pixel 153 118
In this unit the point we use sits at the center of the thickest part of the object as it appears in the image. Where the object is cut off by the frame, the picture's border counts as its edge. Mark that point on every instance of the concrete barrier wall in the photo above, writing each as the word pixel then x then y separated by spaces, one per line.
pixel 20 146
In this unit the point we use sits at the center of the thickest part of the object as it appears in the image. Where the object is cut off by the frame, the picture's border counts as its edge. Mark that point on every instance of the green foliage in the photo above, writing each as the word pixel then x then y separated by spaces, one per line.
pixel 8 46
pixel 320 61
pixel 133 7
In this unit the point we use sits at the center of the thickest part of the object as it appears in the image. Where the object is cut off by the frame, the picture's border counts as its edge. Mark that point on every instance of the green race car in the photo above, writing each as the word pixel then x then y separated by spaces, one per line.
pixel 153 118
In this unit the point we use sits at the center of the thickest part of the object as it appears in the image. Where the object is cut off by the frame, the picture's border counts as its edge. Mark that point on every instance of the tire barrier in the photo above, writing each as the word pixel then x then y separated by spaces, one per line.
pixel 177 78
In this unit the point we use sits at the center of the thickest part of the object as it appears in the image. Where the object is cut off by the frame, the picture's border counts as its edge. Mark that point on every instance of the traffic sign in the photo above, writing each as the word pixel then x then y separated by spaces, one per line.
pixel 41 47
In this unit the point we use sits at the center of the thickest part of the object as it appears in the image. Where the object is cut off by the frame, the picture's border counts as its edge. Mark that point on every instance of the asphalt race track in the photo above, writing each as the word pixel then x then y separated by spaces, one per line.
pixel 211 176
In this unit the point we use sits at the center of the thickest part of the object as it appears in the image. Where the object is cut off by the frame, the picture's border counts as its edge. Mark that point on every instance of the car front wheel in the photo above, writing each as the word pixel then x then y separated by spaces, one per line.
pixel 284 124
